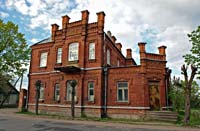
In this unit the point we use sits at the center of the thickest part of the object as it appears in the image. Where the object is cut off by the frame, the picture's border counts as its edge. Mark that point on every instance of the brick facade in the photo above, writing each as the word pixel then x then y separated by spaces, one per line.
pixel 152 69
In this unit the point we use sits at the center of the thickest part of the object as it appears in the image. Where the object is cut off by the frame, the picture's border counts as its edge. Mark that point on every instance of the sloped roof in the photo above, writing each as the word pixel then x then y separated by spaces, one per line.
pixel 47 40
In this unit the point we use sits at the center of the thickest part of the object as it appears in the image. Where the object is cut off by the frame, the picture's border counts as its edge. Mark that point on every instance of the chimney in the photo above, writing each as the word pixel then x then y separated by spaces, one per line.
pixel 142 47
pixel 65 21
pixel 119 46
pixel 161 50
pixel 128 53
pixel 54 28
pixel 100 19
pixel 109 34
pixel 85 16
pixel 113 39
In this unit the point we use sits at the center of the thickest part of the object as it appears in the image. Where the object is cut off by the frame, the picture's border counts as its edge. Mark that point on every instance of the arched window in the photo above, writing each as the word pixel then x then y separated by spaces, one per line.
pixel 41 96
pixel 108 56
pixel 73 52
pixel 69 92
pixel 59 55
pixel 92 51
pixel 57 92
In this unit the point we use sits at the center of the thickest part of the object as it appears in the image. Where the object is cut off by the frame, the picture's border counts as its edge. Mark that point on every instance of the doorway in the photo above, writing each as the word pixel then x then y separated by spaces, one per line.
pixel 154 96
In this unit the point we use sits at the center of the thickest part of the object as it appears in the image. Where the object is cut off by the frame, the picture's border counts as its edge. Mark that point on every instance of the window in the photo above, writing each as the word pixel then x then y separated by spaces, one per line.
pixel 122 91
pixel 43 59
pixel 59 55
pixel 118 63
pixel 57 92
pixel 41 96
pixel 73 52
pixel 108 56
pixel 91 91
pixel 92 51
pixel 69 92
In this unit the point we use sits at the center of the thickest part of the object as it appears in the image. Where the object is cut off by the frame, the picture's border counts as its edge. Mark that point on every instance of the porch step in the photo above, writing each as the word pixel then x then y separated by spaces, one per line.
pixel 162 116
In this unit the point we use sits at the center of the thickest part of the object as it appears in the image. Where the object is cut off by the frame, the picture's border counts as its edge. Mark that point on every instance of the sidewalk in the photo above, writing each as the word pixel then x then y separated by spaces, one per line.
pixel 146 125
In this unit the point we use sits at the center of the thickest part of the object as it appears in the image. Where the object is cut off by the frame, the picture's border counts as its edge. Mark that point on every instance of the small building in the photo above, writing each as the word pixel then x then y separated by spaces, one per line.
pixel 10 94
pixel 109 83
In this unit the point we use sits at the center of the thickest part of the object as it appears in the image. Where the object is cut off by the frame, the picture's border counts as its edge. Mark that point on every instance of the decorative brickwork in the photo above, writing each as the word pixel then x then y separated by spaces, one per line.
pixel 129 100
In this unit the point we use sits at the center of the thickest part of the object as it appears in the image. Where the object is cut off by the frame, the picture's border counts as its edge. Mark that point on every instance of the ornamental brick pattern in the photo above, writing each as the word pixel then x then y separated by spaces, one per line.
pixel 152 69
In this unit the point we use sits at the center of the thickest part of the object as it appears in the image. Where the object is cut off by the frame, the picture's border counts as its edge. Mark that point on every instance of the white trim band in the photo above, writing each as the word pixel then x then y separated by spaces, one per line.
pixel 94 107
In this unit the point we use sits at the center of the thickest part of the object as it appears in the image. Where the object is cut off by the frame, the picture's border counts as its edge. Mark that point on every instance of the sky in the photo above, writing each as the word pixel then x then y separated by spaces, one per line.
pixel 157 22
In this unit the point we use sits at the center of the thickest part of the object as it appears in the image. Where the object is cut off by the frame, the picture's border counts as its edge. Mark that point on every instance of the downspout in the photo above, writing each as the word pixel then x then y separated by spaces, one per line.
pixel 105 90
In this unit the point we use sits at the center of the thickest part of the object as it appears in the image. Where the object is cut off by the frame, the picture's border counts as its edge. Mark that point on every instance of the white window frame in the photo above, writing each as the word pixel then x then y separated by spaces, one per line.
pixel 123 92
pixel 57 92
pixel 91 51
pixel 43 59
pixel 41 95
pixel 73 52
pixel 68 92
pixel 59 55
pixel 90 97
pixel 108 56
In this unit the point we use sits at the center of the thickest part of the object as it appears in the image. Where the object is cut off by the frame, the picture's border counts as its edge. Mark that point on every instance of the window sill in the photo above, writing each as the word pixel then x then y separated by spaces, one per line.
pixel 73 62
pixel 91 102
pixel 123 102
pixel 58 64
pixel 41 100
pixel 92 60
pixel 42 67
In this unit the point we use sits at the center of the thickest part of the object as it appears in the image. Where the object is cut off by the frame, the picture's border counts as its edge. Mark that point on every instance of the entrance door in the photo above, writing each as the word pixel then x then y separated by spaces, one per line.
pixel 154 96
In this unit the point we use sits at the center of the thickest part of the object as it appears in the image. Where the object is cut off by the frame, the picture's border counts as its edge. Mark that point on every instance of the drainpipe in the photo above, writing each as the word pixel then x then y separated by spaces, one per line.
pixel 105 89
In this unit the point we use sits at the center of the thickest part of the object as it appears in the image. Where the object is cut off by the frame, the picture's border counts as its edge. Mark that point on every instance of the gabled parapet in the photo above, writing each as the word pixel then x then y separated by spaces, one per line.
pixel 80 27
pixel 152 56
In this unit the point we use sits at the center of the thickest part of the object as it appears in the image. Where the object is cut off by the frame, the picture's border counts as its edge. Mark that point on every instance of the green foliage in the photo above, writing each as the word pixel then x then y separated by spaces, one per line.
pixel 194 56
pixel 14 52
pixel 194 117
pixel 177 94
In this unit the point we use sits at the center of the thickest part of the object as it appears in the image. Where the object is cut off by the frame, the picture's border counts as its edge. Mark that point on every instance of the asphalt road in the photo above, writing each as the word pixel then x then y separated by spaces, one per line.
pixel 10 123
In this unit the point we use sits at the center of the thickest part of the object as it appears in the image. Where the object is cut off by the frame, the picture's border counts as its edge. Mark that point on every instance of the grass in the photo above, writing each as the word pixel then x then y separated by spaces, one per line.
pixel 194 117
pixel 107 119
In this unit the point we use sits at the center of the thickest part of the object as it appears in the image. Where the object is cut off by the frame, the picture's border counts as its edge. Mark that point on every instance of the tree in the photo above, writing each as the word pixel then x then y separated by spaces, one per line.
pixel 194 57
pixel 187 90
pixel 14 52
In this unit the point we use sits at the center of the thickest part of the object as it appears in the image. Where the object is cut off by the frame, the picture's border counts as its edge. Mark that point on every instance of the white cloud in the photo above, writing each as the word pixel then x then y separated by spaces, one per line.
pixel 34 40
pixel 4 14
pixel 127 20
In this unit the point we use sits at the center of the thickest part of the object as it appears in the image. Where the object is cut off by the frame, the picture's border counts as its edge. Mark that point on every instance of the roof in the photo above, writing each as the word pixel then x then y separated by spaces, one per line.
pixel 44 41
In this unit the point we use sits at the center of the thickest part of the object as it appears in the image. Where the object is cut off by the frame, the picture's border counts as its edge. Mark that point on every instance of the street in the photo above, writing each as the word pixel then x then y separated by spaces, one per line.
pixel 9 123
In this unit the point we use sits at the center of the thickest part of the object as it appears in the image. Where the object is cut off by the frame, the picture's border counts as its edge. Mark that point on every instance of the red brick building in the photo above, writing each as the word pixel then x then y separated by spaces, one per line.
pixel 108 83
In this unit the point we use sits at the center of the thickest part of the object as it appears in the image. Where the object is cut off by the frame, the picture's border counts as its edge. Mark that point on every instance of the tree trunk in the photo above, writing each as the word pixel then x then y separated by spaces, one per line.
pixel 187 108
pixel 72 102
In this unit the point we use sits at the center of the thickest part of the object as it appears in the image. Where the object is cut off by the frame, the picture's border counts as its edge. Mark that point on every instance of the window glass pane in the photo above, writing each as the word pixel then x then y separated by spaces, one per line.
pixel 73 52
pixel 41 96
pixel 122 91
pixel 126 95
pixel 108 56
pixel 118 63
pixel 69 92
pixel 92 51
pixel 59 55
pixel 43 59
pixel 91 91
pixel 119 95
pixel 57 92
